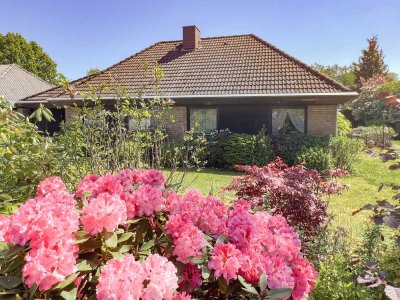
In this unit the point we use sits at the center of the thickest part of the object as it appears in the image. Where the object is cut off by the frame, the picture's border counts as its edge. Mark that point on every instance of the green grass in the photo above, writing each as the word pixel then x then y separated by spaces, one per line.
pixel 363 182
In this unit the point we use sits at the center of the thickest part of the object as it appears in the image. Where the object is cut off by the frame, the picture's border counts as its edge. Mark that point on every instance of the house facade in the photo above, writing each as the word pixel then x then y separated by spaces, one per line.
pixel 237 82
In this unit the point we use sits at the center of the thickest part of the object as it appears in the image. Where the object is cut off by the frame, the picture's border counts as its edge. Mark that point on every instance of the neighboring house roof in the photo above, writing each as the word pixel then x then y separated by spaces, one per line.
pixel 229 65
pixel 16 83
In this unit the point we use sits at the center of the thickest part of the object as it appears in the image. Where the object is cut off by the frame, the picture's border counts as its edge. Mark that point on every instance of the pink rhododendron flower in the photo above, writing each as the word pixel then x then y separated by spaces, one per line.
pixel 130 203
pixel 225 260
pixel 121 279
pixel 213 217
pixel 188 239
pixel 191 278
pixel 49 185
pixel 126 178
pixel 107 184
pixel 182 296
pixel 147 199
pixel 305 277
pixel 87 185
pixel 4 224
pixel 48 266
pixel 161 278
pixel 151 177
pixel 125 278
pixel 105 212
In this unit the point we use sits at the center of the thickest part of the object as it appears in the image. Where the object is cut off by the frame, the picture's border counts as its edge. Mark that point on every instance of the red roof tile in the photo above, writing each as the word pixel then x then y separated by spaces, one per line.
pixel 230 65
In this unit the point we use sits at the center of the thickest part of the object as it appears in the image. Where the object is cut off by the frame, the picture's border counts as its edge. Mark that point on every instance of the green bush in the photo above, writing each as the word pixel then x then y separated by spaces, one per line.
pixel 343 125
pixel 336 281
pixel 246 149
pixel 375 133
pixel 345 151
pixel 288 146
pixel 315 158
pixel 215 147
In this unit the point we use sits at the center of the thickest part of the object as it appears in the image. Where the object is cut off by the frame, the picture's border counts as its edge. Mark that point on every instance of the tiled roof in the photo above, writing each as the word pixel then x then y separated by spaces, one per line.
pixel 230 65
pixel 17 83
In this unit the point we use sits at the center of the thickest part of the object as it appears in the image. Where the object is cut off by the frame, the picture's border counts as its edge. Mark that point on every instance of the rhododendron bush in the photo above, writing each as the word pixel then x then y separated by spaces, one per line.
pixel 293 192
pixel 126 236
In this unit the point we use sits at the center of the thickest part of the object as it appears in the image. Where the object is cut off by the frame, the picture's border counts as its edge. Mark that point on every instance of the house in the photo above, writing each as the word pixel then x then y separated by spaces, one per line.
pixel 17 83
pixel 238 82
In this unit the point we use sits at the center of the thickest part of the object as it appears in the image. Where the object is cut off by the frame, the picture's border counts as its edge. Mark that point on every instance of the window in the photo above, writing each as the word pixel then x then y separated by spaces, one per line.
pixel 134 125
pixel 204 118
pixel 285 120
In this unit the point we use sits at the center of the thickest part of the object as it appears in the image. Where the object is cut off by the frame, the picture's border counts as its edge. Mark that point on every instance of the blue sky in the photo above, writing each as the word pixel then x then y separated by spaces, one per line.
pixel 82 34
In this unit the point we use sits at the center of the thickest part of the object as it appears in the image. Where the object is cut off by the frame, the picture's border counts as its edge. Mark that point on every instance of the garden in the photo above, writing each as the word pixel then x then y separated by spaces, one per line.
pixel 103 210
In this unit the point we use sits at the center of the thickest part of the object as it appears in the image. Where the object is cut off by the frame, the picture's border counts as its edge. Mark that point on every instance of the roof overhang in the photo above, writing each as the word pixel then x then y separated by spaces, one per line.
pixel 316 98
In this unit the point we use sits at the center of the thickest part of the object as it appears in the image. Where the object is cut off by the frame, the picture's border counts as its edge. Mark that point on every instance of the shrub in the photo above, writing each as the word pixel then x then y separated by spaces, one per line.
pixel 126 236
pixel 343 125
pixel 245 149
pixel 26 156
pixel 345 151
pixel 315 158
pixel 375 133
pixel 216 143
pixel 337 281
pixel 293 192
pixel 288 146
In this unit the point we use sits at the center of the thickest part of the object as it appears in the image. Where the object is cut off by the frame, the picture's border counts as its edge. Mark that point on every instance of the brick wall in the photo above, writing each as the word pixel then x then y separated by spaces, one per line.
pixel 69 113
pixel 322 119
pixel 177 129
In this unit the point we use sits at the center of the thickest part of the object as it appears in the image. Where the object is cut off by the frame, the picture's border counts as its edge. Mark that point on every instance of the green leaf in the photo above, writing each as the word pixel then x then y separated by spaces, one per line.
pixel 111 239
pixel 263 282
pixel 67 281
pixel 247 286
pixel 86 266
pixel 124 237
pixel 10 282
pixel 205 272
pixel 221 239
pixel 279 293
pixel 147 245
pixel 69 295
pixel 196 260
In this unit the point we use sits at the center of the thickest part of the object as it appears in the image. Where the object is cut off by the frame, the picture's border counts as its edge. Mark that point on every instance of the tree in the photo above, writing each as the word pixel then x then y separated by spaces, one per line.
pixel 343 74
pixel 371 63
pixel 15 49
pixel 92 71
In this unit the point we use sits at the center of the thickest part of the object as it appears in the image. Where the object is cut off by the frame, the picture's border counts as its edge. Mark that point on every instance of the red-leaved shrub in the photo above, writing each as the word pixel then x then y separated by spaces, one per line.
pixel 293 192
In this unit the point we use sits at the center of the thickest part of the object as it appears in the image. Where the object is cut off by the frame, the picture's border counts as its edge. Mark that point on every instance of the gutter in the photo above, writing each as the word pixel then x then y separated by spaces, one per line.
pixel 287 95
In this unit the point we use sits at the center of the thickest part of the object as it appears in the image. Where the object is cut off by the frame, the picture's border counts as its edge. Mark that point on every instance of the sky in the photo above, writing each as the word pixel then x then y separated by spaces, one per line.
pixel 83 34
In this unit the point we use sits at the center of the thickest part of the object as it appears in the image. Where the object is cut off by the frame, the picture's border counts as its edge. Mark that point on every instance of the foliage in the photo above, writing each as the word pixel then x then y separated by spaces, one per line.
pixel 15 49
pixel 127 236
pixel 343 74
pixel 315 158
pixel 216 143
pixel 25 156
pixel 343 125
pixel 337 281
pixel 370 63
pixel 370 109
pixel 248 149
pixel 293 192
pixel 92 71
pixel 288 146
pixel 345 151
pixel 376 134
pixel 384 214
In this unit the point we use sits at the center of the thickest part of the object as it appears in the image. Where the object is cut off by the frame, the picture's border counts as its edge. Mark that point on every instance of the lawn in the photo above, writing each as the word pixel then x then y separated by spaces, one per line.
pixel 363 182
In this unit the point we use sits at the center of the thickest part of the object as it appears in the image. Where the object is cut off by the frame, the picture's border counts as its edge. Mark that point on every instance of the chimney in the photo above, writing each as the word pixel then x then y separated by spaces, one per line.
pixel 191 37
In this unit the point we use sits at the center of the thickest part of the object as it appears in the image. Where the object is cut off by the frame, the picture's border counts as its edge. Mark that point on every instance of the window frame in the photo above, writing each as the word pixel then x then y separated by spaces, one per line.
pixel 291 106
pixel 189 108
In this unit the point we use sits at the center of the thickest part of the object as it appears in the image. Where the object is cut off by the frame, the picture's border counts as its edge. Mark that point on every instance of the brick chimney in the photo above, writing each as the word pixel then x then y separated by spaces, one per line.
pixel 191 37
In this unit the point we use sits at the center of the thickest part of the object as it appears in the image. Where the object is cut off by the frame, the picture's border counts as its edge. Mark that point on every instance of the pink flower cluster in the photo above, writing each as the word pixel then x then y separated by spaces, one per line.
pixel 192 216
pixel 260 243
pixel 48 223
pixel 114 198
pixel 125 278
